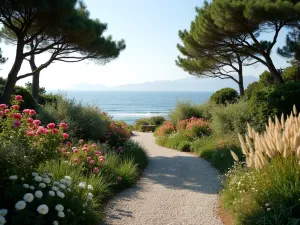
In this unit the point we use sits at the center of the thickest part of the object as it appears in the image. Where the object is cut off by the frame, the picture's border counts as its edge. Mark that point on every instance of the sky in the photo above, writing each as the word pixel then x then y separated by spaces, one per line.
pixel 150 30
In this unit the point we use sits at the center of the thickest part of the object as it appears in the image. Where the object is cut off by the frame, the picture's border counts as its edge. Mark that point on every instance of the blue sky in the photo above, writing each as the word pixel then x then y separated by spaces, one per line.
pixel 150 29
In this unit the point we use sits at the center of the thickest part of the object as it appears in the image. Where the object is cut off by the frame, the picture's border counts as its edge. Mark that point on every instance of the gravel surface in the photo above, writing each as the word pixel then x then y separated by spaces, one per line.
pixel 176 188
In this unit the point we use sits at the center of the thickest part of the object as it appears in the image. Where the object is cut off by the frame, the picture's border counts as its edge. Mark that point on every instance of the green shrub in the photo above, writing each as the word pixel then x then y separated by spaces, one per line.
pixel 117 134
pixel 183 111
pixel 133 150
pixel 85 122
pixel 173 141
pixel 230 119
pixel 268 196
pixel 184 146
pixel 225 96
pixel 291 73
pixel 217 151
pixel 157 120
pixel 154 120
pixel 140 122
pixel 266 79
pixel 48 99
pixel 252 89
pixel 273 101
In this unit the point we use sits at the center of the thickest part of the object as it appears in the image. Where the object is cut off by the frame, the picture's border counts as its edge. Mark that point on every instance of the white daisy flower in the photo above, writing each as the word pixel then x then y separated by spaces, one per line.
pixel 43 209
pixel 28 197
pixel 61 214
pixel 47 180
pixel 2 220
pixel 59 208
pixel 31 187
pixel 38 178
pixel 38 194
pixel 20 205
pixel 25 185
pixel 82 185
pixel 13 177
pixel 52 193
pixel 3 212
pixel 90 187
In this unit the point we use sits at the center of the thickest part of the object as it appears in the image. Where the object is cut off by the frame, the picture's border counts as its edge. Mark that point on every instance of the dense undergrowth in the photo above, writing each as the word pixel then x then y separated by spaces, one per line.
pixel 60 163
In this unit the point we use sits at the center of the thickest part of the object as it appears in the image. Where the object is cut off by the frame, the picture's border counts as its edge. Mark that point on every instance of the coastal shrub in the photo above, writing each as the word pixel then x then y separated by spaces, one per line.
pixel 48 99
pixel 133 150
pixel 166 129
pixel 225 96
pixel 217 151
pixel 154 120
pixel 184 146
pixel 266 79
pixel 273 101
pixel 230 119
pixel 117 134
pixel 183 111
pixel 85 122
pixel 24 144
pixel 197 127
pixel 267 190
pixel 291 73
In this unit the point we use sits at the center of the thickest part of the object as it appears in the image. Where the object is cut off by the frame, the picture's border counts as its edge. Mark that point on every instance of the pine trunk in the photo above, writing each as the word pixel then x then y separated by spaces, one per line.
pixel 35 79
pixel 13 73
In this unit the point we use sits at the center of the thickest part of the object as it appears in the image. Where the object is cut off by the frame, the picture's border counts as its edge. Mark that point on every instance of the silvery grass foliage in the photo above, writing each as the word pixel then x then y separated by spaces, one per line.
pixel 281 138
pixel 266 188
pixel 39 199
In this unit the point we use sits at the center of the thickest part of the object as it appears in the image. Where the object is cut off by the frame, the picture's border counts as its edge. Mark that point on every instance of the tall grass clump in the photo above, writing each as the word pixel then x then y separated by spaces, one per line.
pixel 267 189
pixel 85 122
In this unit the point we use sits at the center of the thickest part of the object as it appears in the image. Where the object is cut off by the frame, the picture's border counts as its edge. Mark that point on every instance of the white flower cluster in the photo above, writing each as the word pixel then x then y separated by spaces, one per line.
pixel 57 188
pixel 3 213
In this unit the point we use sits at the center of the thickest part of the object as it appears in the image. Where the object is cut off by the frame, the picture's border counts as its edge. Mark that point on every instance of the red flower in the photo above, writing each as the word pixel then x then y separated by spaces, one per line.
pixel 1 113
pixel 63 125
pixel 30 133
pixel 19 98
pixel 51 125
pixel 65 135
pixel 26 111
pixel 3 106
pixel 88 158
pixel 36 122
pixel 30 120
pixel 17 123
pixel 75 150
pixel 54 131
pixel 85 149
pixel 16 107
pixel 6 111
pixel 18 116
pixel 32 112
pixel 75 160
pixel 96 170
pixel 92 162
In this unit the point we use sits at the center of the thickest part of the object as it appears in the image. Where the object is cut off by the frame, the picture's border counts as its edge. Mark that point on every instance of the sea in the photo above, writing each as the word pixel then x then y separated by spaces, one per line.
pixel 132 105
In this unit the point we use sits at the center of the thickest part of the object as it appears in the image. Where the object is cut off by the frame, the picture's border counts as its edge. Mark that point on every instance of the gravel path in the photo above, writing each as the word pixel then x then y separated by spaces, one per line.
pixel 176 188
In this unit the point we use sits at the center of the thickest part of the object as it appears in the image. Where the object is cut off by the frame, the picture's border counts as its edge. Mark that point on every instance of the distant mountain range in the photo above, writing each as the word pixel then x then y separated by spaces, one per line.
pixel 186 84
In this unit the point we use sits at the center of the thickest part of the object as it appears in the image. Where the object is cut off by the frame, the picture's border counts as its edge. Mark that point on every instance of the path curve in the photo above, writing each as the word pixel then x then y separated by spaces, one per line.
pixel 176 189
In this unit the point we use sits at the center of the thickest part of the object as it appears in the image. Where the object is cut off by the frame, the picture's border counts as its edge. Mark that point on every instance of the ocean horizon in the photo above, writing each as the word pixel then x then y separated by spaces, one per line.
pixel 132 105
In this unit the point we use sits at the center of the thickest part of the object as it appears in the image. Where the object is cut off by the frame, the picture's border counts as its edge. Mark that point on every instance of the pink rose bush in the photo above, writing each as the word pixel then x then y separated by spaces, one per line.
pixel 117 134
pixel 167 128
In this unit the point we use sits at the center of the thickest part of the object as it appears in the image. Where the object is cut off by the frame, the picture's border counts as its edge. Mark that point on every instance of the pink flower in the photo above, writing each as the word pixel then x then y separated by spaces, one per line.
pixel 68 143
pixel 54 131
pixel 75 150
pixel 63 125
pixel 98 153
pixel 75 160
pixel 36 122
pixel 85 145
pixel 101 159
pixel 30 133
pixel 96 170
pixel 85 149
pixel 18 116
pixel 120 179
pixel 81 141
pixel 30 120
pixel 1 113
pixel 3 106
pixel 65 135
pixel 19 98
pixel 26 111
pixel 17 123
pixel 51 125
pixel 16 107
pixel 32 112
pixel 94 145
pixel 6 111
pixel 92 162
pixel 88 158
